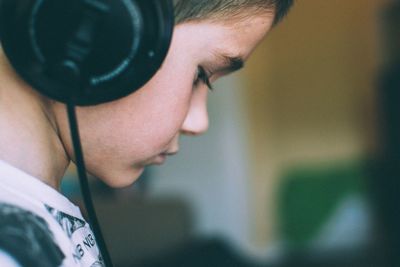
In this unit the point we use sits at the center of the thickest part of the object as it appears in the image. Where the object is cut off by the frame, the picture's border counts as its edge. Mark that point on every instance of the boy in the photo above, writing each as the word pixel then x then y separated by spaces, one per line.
pixel 211 39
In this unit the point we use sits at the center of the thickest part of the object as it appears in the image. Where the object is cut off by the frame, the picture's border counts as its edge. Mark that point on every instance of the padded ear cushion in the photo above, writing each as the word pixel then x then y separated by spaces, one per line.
pixel 113 46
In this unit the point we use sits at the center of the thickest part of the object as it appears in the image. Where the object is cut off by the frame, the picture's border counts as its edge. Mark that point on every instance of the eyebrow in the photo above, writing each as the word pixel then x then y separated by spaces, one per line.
pixel 230 63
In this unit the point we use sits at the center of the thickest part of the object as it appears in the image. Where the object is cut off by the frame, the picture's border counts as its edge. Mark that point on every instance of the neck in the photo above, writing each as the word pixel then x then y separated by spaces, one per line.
pixel 29 138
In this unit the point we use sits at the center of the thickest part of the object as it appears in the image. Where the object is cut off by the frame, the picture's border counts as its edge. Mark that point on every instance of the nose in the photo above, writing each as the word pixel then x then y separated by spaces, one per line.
pixel 196 121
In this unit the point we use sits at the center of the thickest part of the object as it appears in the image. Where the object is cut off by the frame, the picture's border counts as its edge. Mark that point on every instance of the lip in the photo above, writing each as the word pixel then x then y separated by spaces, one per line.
pixel 160 159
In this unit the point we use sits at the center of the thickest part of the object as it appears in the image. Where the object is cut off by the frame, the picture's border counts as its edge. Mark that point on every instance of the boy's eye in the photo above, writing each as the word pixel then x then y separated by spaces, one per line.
pixel 202 76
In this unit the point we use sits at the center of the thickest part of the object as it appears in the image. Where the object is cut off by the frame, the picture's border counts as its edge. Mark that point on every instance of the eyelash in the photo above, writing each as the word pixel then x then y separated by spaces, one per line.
pixel 202 76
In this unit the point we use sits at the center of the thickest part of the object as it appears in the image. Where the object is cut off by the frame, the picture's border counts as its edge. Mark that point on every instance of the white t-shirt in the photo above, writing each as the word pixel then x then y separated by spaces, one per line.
pixel 39 226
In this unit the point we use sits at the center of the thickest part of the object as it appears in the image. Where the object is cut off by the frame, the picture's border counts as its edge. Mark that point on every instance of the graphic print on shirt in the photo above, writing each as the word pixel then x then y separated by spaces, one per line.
pixel 27 239
pixel 80 234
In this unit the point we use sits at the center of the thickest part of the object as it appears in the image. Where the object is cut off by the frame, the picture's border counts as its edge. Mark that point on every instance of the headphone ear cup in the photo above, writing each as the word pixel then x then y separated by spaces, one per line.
pixel 86 51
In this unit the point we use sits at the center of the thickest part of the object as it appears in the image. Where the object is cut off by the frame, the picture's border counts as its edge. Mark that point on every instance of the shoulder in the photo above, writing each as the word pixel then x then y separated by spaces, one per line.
pixel 26 237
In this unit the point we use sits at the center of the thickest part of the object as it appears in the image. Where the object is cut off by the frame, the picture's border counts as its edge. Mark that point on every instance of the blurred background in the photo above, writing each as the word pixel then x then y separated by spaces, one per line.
pixel 300 163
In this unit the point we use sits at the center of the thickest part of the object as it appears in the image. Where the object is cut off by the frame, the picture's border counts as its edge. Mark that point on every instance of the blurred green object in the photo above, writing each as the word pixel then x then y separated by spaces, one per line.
pixel 309 195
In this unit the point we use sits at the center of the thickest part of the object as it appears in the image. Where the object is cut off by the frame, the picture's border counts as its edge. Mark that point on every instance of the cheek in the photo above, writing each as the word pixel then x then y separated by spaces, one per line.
pixel 142 124
pixel 146 121
pixel 163 104
pixel 165 100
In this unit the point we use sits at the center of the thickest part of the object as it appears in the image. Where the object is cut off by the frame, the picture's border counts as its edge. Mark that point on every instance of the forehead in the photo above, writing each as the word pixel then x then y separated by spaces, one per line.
pixel 240 36
pixel 223 46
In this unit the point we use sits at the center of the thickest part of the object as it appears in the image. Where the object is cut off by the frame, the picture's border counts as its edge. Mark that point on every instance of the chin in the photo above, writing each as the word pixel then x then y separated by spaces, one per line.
pixel 122 179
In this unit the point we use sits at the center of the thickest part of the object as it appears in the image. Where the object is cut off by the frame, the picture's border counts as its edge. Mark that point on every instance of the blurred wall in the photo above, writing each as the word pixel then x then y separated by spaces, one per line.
pixel 310 96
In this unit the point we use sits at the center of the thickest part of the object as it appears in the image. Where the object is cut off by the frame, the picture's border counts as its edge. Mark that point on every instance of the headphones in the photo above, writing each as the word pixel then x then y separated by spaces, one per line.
pixel 86 52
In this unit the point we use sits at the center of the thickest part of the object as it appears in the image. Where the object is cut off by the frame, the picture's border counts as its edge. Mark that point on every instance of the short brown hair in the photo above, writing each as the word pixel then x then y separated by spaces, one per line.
pixel 191 10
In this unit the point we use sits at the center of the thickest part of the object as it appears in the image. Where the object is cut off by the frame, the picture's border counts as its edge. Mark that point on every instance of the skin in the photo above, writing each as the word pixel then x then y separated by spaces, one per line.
pixel 120 138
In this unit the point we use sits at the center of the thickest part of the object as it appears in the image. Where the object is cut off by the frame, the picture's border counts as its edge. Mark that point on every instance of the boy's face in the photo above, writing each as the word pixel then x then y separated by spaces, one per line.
pixel 120 138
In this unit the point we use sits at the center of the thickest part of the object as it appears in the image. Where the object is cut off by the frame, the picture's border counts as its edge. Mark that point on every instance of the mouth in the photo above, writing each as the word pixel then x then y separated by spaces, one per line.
pixel 161 158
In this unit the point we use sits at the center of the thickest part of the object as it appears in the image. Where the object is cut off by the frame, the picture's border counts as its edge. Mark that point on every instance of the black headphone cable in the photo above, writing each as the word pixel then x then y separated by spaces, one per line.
pixel 87 198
